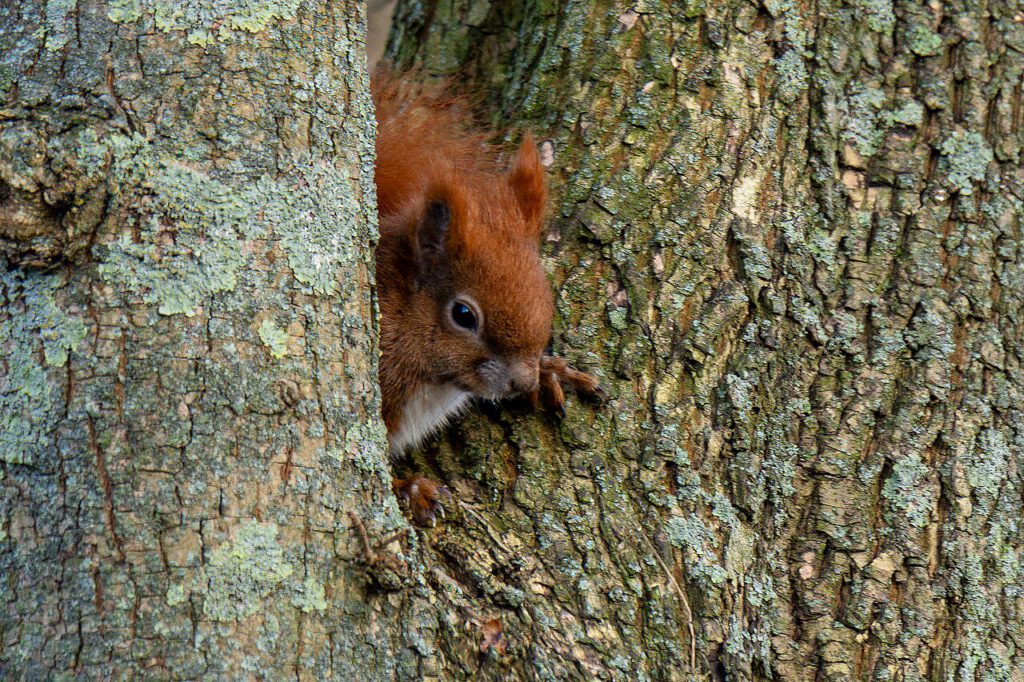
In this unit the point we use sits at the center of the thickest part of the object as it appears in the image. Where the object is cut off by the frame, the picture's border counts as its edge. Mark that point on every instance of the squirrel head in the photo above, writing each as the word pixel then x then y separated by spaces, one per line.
pixel 479 285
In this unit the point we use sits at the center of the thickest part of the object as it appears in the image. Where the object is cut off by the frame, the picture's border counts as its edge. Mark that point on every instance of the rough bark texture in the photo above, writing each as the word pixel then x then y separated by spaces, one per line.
pixel 789 238
pixel 187 343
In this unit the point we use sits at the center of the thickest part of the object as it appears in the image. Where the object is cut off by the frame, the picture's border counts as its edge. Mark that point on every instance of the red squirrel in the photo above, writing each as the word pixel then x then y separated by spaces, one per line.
pixel 466 307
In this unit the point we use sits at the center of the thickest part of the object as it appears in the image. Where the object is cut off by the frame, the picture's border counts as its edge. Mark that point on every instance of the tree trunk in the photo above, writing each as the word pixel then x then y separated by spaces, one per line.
pixel 188 375
pixel 789 239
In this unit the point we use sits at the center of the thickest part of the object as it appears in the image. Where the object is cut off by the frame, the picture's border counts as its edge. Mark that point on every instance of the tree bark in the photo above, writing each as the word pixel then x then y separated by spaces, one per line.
pixel 789 239
pixel 188 375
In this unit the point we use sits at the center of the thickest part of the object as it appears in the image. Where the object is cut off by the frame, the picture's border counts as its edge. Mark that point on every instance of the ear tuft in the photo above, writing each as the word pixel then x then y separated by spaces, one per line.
pixel 529 185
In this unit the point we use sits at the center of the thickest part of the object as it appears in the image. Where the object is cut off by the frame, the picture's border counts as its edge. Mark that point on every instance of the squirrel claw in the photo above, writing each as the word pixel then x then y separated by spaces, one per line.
pixel 554 372
pixel 423 497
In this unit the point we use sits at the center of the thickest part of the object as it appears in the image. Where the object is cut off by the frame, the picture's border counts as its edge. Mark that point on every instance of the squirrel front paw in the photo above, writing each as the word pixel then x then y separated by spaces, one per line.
pixel 554 372
pixel 423 497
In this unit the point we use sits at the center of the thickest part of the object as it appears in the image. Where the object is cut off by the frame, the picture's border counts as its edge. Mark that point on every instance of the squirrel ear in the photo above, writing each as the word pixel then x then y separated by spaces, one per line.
pixel 528 184
pixel 431 230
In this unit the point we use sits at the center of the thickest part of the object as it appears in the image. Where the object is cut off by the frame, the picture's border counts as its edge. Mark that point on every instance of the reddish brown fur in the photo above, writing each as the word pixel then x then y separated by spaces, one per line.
pixel 423 496
pixel 426 153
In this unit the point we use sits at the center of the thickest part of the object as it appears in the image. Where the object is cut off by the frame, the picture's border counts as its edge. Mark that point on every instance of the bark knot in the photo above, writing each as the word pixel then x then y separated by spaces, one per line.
pixel 53 194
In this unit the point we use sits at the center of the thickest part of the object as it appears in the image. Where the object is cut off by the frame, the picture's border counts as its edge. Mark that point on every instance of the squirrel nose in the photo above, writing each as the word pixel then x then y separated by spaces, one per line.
pixel 524 376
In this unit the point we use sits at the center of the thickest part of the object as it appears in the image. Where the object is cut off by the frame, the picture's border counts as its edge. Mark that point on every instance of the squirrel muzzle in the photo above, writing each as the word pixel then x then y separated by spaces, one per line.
pixel 513 377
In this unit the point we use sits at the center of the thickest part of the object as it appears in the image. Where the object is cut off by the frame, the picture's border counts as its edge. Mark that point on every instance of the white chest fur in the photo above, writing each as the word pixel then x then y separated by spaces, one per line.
pixel 428 409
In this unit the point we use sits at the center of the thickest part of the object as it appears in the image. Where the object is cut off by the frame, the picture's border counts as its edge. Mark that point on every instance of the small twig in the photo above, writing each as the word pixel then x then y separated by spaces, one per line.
pixel 399 534
pixel 371 551
pixel 370 555
pixel 386 568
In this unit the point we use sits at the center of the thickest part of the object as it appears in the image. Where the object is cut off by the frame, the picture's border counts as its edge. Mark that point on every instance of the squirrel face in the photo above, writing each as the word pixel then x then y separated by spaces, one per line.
pixel 478 264
pixel 466 307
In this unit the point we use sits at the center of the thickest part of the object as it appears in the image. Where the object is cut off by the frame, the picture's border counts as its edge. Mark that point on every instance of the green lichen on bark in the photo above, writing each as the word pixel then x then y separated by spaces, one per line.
pixel 320 241
pixel 274 338
pixel 793 76
pixel 877 14
pixel 36 336
pixel 205 21
pixel 59 22
pixel 177 268
pixel 241 574
pixel 967 155
pixel 864 118
pixel 908 493
pixel 923 42
pixel 809 465
pixel 176 595
pixel 311 598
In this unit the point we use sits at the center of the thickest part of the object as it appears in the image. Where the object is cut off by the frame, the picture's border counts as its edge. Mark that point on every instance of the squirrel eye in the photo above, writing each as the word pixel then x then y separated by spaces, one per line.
pixel 463 316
